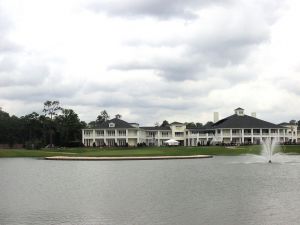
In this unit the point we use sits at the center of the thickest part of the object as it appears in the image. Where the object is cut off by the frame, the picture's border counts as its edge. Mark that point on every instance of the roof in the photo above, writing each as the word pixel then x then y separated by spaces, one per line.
pixel 174 123
pixel 156 128
pixel 245 121
pixel 118 124
pixel 287 124
pixel 239 108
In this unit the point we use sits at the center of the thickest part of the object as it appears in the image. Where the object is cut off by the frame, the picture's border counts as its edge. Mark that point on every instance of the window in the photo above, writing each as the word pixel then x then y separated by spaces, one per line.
pixel 111 133
pixel 111 125
pixel 247 131
pixel 122 142
pixel 236 131
pixel 122 132
pixel 164 134
pixel 256 131
pixel 179 134
pixel 151 134
pixel 99 132
pixel 88 132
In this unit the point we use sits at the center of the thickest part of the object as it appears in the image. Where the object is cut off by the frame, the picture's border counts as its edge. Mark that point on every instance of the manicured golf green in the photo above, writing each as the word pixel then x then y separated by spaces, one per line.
pixel 145 151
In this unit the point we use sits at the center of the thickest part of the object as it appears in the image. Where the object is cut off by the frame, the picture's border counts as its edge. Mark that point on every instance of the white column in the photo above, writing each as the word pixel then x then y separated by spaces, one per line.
pixel 242 136
pixel 221 134
pixel 82 131
pixel 252 136
pixel 94 134
pixel 230 135
pixel 260 130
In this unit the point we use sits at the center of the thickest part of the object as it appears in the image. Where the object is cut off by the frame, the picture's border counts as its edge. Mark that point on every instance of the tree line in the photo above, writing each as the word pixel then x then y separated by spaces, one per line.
pixel 57 125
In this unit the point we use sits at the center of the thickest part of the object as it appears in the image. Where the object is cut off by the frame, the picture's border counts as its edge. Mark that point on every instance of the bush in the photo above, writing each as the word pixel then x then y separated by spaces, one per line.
pixel 33 145
pixel 74 144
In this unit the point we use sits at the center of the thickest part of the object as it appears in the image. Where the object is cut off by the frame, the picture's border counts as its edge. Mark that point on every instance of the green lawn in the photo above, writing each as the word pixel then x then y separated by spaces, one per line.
pixel 146 151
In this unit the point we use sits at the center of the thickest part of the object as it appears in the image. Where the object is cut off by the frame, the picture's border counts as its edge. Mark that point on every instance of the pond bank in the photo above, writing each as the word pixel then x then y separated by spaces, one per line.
pixel 127 158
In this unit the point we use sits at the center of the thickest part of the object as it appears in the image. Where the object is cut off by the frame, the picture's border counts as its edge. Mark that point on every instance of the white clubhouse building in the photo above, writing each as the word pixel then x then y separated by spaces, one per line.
pixel 238 128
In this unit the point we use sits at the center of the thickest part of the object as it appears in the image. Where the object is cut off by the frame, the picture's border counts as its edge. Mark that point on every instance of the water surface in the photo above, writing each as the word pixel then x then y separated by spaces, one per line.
pixel 221 190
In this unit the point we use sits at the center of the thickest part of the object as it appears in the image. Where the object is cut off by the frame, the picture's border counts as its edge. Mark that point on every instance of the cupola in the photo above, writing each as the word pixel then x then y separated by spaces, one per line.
pixel 239 111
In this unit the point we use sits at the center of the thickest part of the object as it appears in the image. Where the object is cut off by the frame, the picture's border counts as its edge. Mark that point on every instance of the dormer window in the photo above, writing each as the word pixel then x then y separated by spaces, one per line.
pixel 111 125
pixel 239 111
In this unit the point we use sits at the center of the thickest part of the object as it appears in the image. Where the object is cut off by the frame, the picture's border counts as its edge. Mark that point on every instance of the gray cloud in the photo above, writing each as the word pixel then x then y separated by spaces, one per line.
pixel 12 73
pixel 41 92
pixel 162 9
pixel 6 45
pixel 171 69
pixel 226 42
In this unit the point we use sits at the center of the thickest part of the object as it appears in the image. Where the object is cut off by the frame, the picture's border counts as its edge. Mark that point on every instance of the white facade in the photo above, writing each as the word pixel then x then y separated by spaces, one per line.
pixel 156 136
pixel 292 131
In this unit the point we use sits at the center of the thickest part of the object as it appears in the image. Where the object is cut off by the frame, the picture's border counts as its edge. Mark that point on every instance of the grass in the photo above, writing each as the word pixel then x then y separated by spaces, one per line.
pixel 147 151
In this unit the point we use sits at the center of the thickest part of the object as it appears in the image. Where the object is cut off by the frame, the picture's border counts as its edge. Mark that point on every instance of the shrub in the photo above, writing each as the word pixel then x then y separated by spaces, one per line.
pixel 33 144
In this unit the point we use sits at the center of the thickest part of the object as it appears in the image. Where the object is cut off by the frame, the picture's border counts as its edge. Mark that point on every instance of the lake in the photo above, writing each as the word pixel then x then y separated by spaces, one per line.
pixel 221 190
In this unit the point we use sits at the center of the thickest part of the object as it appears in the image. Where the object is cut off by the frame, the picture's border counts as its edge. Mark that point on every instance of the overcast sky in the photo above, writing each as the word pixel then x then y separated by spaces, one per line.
pixel 151 60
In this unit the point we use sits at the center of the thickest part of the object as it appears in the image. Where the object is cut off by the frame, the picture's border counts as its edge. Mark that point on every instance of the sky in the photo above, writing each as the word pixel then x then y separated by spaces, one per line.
pixel 151 60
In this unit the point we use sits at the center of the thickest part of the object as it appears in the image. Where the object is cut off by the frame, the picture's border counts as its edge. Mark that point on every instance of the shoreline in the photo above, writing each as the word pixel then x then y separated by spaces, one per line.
pixel 127 158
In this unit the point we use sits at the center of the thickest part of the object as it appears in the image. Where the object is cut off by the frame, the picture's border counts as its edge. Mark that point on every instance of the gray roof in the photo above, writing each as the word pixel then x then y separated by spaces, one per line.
pixel 156 128
pixel 118 124
pixel 245 121
pixel 287 124
pixel 174 123
pixel 239 108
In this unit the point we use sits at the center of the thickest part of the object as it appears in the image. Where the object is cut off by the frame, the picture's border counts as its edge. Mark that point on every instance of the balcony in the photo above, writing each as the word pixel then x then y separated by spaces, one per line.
pixel 166 136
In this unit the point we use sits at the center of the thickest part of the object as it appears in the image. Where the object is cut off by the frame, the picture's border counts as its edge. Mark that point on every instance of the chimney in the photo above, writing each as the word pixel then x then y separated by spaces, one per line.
pixel 216 117
pixel 253 114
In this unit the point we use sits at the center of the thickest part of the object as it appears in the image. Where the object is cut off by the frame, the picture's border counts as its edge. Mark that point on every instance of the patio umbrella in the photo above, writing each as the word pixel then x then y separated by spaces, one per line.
pixel 171 142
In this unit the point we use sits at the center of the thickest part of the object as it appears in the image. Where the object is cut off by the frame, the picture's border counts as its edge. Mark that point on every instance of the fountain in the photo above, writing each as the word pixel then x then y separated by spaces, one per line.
pixel 269 145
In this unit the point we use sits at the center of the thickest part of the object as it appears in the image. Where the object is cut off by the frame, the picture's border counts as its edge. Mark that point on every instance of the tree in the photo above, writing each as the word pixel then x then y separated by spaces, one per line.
pixel 191 125
pixel 10 129
pixel 199 125
pixel 294 122
pixel 165 123
pixel 92 124
pixel 32 126
pixel 51 108
pixel 103 117
pixel 208 124
pixel 68 127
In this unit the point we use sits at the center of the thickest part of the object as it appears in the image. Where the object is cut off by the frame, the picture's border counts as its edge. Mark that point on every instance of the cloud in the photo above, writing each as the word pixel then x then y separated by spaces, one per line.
pixel 28 72
pixel 161 9
pixel 150 60
pixel 6 46
pixel 221 37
